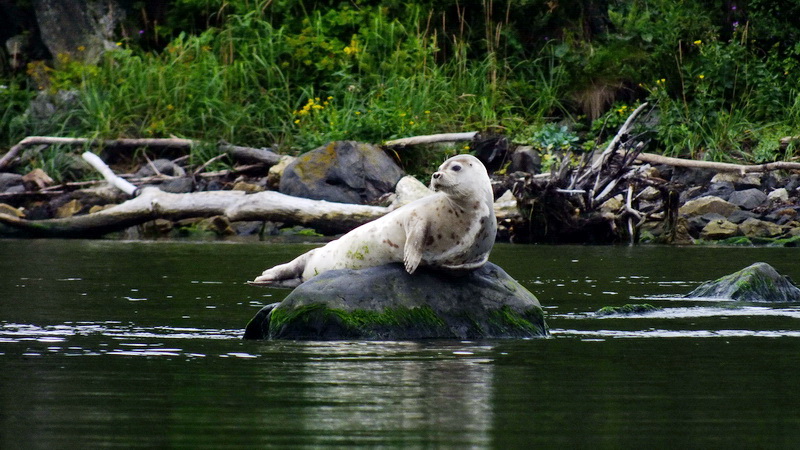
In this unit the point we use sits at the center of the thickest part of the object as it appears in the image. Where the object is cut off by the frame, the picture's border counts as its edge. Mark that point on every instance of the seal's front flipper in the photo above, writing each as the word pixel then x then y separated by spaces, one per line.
pixel 412 250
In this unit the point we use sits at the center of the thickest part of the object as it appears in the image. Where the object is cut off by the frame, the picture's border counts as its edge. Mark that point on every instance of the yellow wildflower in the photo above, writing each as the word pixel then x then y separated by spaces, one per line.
pixel 170 107
pixel 351 49
pixel 698 42
pixel 81 48
pixel 701 76
pixel 297 121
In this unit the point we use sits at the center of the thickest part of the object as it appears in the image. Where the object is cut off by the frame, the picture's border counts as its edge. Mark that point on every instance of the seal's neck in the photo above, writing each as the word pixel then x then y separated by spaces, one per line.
pixel 471 202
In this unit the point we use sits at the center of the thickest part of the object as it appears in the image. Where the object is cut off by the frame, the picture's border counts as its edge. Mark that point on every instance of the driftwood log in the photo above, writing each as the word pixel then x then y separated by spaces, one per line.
pixel 152 203
pixel 432 139
pixel 245 154
pixel 717 166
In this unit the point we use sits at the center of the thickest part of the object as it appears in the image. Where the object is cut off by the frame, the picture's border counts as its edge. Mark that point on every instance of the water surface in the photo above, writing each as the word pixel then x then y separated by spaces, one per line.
pixel 138 344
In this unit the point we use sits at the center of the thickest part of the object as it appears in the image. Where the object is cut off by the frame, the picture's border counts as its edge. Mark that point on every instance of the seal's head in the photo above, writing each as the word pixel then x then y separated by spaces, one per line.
pixel 463 177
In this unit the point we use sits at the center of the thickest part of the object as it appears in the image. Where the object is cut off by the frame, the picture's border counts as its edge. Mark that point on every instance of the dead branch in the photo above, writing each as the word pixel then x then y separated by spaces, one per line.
pixel 432 139
pixel 623 130
pixel 246 154
pixel 717 166
pixel 112 178
pixel 152 203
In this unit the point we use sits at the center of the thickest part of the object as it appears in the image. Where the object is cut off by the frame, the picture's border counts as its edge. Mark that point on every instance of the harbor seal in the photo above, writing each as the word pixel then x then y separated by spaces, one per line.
pixel 454 228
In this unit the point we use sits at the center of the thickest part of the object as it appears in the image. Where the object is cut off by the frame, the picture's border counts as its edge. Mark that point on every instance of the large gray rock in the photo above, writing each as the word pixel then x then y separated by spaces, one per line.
pixel 344 171
pixel 748 198
pixel 759 282
pixel 386 303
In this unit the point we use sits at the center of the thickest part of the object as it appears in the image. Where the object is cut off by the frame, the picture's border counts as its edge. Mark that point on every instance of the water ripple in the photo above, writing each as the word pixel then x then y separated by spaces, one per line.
pixel 662 333
pixel 13 332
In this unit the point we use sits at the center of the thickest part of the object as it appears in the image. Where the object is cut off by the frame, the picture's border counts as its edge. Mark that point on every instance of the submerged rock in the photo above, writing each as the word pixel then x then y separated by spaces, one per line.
pixel 759 282
pixel 630 308
pixel 387 303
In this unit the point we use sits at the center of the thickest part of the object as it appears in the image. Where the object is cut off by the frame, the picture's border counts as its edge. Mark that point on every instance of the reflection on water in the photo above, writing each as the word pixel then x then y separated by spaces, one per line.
pixel 413 392
pixel 139 344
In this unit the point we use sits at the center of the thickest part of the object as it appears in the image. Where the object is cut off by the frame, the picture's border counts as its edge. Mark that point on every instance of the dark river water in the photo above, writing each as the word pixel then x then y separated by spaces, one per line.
pixel 138 344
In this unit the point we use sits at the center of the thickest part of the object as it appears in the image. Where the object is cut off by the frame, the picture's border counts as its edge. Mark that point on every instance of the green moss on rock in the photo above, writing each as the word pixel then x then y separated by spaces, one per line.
pixel 318 321
pixel 759 282
pixel 507 321
pixel 630 308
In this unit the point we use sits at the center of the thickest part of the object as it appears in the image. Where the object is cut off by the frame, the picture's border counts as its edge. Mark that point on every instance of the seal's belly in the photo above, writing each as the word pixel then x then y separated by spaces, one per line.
pixel 370 245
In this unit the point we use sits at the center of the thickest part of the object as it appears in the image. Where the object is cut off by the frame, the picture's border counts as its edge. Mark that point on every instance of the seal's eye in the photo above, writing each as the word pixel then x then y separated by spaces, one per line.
pixel 456 168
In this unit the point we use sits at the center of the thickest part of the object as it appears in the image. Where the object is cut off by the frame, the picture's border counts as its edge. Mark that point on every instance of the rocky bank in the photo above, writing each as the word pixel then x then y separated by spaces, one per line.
pixel 677 205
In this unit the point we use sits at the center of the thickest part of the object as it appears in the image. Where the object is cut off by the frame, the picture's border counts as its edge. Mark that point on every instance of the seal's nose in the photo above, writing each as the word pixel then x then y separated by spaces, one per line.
pixel 436 175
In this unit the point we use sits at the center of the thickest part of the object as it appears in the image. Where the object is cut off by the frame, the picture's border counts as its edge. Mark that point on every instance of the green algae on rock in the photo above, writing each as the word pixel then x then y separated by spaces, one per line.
pixel 387 303
pixel 627 309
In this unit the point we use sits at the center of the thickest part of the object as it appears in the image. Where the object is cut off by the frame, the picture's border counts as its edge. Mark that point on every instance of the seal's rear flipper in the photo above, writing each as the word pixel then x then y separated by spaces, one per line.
pixel 289 284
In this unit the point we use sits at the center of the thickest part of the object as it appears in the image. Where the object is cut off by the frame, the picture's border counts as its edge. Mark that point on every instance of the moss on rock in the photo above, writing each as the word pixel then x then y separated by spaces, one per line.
pixel 630 308
pixel 759 282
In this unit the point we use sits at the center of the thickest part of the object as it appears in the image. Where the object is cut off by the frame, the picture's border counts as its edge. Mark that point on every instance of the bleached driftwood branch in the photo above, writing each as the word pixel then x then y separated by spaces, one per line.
pixel 246 154
pixel 152 203
pixel 432 139
pixel 108 174
pixel 717 166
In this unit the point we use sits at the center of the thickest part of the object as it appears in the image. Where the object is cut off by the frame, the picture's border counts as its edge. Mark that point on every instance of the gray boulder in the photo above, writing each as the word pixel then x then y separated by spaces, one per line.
pixel 748 198
pixel 759 282
pixel 345 172
pixel 740 216
pixel 177 185
pixel 722 190
pixel 10 180
pixel 386 303
pixel 160 167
